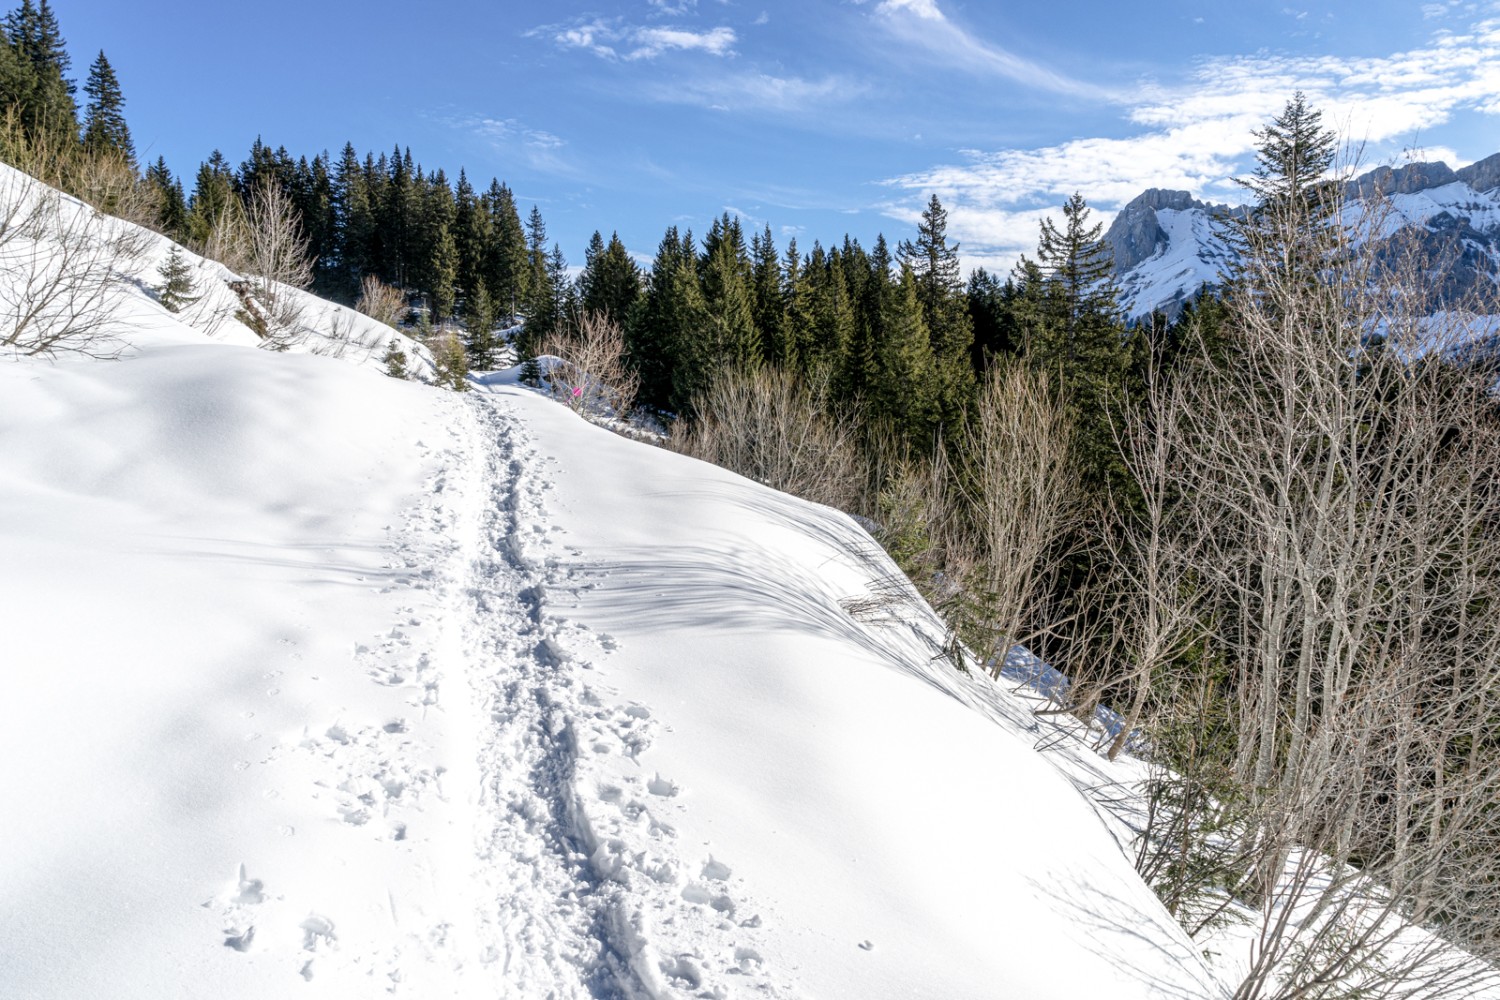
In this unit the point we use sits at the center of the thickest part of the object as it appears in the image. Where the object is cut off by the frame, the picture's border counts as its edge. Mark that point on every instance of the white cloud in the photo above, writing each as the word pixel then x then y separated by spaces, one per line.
pixel 1198 135
pixel 652 42
pixel 613 39
pixel 922 24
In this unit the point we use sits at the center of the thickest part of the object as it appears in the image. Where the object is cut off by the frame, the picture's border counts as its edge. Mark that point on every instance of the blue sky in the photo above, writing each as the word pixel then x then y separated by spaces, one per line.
pixel 820 117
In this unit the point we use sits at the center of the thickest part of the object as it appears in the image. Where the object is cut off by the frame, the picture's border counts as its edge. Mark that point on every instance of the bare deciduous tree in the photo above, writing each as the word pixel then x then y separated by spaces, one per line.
pixel 379 301
pixel 592 376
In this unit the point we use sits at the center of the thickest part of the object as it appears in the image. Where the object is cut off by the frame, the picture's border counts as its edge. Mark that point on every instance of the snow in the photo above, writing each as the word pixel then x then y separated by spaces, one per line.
pixel 327 684
pixel 1193 256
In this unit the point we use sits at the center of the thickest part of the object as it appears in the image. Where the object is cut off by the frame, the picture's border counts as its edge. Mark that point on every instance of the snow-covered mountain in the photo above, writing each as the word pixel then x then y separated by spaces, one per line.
pixel 1166 245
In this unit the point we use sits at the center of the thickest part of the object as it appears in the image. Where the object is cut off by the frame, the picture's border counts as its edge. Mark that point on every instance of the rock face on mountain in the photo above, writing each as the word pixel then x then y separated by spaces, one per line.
pixel 1168 245
pixel 1483 175
pixel 1410 179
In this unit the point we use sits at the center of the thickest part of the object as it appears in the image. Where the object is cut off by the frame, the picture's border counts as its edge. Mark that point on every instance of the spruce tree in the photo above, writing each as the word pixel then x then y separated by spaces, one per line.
pixel 213 196
pixel 728 339
pixel 505 253
pixel 669 315
pixel 171 205
pixel 934 263
pixel 540 303
pixel 905 386
pixel 480 321
pixel 611 282
pixel 770 298
pixel 1080 340
pixel 43 93
pixel 1288 235
pixel 354 224
pixel 176 289
pixel 104 128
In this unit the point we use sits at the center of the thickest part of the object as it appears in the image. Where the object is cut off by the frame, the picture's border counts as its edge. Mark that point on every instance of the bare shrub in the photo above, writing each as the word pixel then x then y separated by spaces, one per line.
pixel 278 264
pixel 381 302
pixel 63 262
pixel 769 426
pixel 1325 509
pixel 1018 495
pixel 592 377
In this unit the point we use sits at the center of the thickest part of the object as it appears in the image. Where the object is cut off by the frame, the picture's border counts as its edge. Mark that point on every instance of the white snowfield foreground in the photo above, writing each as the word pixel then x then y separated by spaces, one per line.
pixel 322 683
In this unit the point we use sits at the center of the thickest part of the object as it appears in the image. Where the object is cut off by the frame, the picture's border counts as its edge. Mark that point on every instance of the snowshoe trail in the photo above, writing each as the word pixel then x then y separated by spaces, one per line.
pixel 584 889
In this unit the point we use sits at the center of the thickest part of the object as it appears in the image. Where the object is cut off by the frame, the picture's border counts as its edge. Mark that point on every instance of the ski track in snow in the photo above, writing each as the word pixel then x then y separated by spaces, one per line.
pixel 582 894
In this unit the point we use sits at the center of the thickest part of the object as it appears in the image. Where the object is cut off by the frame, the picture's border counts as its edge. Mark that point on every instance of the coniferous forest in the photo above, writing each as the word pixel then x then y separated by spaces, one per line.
pixel 1258 540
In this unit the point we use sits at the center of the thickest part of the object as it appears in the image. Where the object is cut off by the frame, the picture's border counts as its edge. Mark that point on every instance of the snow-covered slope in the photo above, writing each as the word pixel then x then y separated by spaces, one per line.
pixel 1167 246
pixel 325 683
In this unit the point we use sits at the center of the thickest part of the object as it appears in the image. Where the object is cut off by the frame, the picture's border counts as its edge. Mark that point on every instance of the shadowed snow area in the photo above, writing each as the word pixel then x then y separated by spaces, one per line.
pixel 323 683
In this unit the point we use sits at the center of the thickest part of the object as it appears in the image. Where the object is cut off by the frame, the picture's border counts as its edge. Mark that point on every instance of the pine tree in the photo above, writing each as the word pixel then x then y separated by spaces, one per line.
pixel 171 205
pixel 905 387
pixel 728 339
pixel 1289 233
pixel 176 289
pixel 669 315
pixel 213 196
pixel 611 282
pixel 505 253
pixel 43 93
pixel 104 128
pixel 480 320
pixel 540 303
pixel 1080 341
pixel 471 234
pixel 353 224
pixel 934 263
pixel 770 297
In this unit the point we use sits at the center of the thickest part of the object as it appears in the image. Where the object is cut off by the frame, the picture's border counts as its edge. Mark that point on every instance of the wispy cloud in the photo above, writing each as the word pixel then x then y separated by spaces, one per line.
pixel 923 25
pixel 615 39
pixel 762 92
pixel 538 149
pixel 1197 135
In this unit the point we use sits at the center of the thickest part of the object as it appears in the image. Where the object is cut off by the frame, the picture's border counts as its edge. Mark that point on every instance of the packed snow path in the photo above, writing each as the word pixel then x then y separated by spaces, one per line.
pixel 557 916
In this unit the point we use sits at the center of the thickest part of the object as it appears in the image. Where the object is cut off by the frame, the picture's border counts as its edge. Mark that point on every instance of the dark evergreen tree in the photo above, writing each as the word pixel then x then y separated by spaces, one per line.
pixel 541 298
pixel 104 128
pixel 727 339
pixel 505 254
pixel 43 93
pixel 996 330
pixel 610 283
pixel 480 320
pixel 434 251
pixel 213 195
pixel 354 225
pixel 1287 236
pixel 669 315
pixel 934 263
pixel 471 234
pixel 171 204
pixel 905 386
pixel 1080 341
pixel 176 289
pixel 770 297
